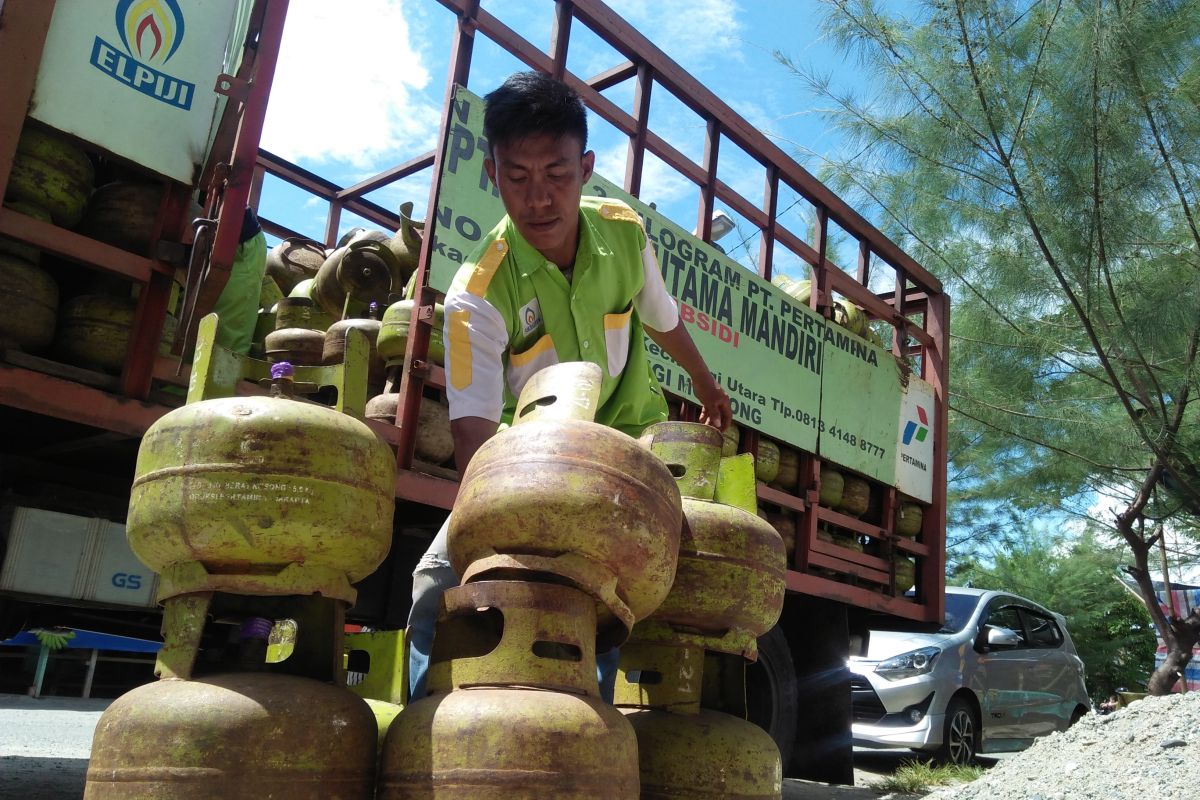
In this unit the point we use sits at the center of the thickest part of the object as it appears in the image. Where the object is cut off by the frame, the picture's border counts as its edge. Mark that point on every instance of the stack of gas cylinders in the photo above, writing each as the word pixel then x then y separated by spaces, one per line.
pixel 253 510
pixel 570 538
pixel 682 672
pixel 565 533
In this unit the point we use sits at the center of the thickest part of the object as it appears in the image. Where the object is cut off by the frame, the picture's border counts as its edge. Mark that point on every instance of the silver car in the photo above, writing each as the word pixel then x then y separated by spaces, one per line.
pixel 1000 672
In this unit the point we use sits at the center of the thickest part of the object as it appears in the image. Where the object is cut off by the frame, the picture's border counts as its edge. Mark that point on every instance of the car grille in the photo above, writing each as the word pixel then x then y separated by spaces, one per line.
pixel 865 706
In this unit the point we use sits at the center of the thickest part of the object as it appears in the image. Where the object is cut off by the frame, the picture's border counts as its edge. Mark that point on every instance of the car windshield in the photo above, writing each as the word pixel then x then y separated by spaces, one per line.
pixel 959 608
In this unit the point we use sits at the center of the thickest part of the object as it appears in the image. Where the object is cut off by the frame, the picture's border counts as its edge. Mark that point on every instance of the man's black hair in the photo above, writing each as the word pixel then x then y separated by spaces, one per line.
pixel 530 103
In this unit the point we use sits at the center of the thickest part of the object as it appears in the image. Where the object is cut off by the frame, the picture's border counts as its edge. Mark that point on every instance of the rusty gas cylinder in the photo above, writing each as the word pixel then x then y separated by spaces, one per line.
pixel 730 583
pixel 364 270
pixel 334 345
pixel 123 214
pixel 514 708
pixel 93 331
pixel 684 750
pixel 708 754
pixel 434 440
pixel 293 260
pixel 393 334
pixel 294 340
pixel 561 495
pixel 236 736
pixel 31 304
pixel 261 495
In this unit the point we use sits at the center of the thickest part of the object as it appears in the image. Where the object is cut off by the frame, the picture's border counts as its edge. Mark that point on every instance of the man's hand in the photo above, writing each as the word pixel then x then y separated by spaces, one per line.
pixel 716 410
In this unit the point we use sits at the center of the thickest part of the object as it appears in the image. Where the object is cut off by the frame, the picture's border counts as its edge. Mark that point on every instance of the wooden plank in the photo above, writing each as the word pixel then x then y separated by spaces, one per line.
pixel 778 497
pixel 64 399
pixel 70 245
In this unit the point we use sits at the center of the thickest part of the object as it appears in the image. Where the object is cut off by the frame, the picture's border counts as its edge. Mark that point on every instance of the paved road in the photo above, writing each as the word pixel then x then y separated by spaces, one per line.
pixel 44 748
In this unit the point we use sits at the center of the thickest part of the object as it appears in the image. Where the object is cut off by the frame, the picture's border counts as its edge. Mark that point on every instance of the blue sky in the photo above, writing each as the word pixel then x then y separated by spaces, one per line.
pixel 346 127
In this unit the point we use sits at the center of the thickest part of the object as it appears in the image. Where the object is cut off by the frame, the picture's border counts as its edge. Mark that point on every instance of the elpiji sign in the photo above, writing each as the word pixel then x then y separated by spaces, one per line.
pixel 150 32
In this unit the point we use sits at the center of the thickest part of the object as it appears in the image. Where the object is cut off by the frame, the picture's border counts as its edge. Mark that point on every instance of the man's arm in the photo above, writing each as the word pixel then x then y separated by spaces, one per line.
pixel 469 435
pixel 678 344
pixel 660 319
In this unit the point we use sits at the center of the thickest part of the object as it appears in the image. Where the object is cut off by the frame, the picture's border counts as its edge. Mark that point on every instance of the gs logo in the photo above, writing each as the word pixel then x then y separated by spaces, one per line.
pixel 123 580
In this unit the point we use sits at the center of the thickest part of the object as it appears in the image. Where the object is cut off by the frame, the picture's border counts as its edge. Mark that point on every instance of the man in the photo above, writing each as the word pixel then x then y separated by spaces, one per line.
pixel 560 278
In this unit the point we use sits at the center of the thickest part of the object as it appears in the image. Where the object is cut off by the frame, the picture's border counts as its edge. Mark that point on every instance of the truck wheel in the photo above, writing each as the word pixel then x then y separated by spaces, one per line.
pixel 772 693
pixel 961 734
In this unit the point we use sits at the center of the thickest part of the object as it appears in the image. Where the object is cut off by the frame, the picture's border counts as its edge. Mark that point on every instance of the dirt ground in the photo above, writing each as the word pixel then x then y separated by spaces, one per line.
pixel 45 743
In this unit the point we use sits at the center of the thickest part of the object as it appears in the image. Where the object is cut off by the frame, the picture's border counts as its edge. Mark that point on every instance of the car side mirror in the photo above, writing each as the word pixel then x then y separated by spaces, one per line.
pixel 1001 638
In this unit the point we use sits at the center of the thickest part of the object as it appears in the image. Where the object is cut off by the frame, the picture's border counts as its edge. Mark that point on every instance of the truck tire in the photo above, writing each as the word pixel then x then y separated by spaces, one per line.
pixel 772 692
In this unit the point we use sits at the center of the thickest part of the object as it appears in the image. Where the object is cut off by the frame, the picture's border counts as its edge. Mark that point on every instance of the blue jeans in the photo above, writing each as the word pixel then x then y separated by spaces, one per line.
pixel 433 576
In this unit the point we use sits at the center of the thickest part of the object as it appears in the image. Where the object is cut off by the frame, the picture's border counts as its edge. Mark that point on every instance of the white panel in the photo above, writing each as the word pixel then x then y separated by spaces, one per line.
pixel 914 444
pixel 46 550
pixel 136 77
pixel 117 575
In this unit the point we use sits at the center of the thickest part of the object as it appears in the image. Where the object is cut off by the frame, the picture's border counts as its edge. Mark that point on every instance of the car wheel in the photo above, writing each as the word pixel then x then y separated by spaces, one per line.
pixel 960 735
pixel 772 691
pixel 1080 713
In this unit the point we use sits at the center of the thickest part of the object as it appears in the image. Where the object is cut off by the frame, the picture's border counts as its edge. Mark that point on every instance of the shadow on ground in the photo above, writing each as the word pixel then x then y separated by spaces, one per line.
pixel 38 778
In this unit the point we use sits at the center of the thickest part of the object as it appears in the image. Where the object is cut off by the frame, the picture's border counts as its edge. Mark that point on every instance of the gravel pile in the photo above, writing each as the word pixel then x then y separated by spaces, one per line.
pixel 1149 750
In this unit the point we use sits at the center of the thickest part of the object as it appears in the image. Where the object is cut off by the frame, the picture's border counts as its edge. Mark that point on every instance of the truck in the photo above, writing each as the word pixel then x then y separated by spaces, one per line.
pixel 845 378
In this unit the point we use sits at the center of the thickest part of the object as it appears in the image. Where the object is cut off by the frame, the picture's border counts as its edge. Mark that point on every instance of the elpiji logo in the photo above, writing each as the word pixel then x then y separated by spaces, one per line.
pixel 151 31
pixel 914 430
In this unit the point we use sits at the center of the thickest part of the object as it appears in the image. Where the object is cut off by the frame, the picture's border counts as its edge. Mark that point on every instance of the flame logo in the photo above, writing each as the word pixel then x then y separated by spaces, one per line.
pixel 151 30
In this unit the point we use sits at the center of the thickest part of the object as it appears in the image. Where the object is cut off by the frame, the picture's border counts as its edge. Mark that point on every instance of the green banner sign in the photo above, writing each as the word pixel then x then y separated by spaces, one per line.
pixel 790 373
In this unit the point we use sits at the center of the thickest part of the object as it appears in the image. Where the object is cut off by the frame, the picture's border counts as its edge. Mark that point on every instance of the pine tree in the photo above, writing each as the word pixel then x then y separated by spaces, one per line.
pixel 1043 159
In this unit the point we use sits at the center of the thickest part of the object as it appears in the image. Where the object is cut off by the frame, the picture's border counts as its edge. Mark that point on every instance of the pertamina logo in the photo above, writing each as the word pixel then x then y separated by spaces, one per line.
pixel 150 31
pixel 917 431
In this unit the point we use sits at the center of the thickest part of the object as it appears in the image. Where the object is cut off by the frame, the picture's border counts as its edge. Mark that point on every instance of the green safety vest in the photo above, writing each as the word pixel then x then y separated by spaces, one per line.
pixel 590 319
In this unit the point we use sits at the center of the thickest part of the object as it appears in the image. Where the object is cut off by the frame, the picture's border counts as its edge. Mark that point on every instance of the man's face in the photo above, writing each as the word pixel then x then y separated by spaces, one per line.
pixel 540 178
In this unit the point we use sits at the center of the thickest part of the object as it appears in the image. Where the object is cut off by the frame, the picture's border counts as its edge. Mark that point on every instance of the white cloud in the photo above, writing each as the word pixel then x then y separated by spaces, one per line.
pixel 321 111
pixel 661 185
pixel 699 34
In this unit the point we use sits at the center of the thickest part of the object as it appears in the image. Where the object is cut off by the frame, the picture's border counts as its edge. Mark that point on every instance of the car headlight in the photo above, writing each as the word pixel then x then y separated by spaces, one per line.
pixel 908 665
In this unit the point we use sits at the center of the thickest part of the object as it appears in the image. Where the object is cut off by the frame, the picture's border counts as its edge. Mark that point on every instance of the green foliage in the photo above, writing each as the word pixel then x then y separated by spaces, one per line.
pixel 1110 627
pixel 1043 159
pixel 914 777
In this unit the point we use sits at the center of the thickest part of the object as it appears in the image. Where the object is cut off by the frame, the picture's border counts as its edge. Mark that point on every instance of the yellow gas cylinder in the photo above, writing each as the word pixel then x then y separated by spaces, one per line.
pixel 730 581
pixel 51 172
pixel 560 495
pixel 906 574
pixel 294 340
pixel 833 483
pixel 30 304
pixel 393 334
pixel 236 736
pixel 514 709
pixel 93 331
pixel 686 751
pixel 318 319
pixel 909 519
pixel 261 495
